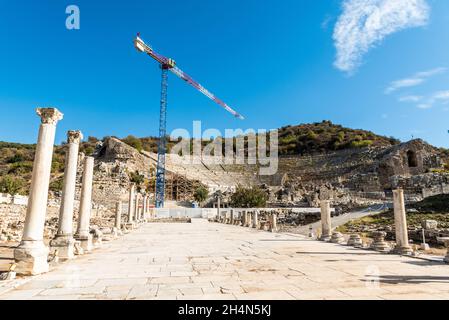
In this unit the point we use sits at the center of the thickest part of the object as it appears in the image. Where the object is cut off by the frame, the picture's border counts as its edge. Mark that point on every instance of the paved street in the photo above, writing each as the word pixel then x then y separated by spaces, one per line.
pixel 212 261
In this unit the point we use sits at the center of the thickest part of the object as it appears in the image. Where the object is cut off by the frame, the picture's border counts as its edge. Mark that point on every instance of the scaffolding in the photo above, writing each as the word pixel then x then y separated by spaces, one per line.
pixel 178 187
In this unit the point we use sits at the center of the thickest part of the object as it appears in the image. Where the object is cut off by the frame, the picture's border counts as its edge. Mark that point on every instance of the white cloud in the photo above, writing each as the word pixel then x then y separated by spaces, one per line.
pixel 414 80
pixel 431 73
pixel 404 83
pixel 365 23
pixel 410 98
pixel 424 106
pixel 440 97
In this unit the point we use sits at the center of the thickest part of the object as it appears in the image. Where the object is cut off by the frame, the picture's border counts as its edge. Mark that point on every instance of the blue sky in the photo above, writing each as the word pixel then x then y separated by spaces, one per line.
pixel 273 61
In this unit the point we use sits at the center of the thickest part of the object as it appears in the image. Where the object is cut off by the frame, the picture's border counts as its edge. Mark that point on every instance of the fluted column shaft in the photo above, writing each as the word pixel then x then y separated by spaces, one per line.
pixel 83 230
pixel 31 255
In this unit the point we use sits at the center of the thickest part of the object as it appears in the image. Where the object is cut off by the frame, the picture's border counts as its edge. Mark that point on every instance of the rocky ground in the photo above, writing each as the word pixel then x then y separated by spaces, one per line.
pixel 430 215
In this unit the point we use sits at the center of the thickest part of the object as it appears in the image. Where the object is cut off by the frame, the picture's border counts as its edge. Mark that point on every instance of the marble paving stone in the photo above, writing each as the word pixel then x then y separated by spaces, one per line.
pixel 205 260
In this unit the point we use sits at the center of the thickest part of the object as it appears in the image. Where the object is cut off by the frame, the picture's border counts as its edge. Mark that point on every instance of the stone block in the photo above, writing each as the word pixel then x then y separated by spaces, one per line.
pixel 65 245
pixel 355 241
pixel 430 224
pixel 86 243
pixel 31 258
pixel 379 244
pixel 337 237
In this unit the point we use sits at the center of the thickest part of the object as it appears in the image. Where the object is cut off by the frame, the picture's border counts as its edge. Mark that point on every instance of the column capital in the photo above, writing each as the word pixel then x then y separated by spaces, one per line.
pixel 49 115
pixel 74 136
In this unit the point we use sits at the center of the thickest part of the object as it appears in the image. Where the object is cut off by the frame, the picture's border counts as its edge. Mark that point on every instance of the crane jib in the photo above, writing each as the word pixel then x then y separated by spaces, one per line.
pixel 181 74
pixel 170 64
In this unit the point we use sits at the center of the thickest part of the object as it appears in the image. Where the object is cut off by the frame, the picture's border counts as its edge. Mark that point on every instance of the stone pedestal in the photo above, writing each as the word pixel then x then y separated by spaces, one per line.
pixel 86 243
pixel 79 251
pixel 63 241
pixel 130 226
pixel 311 233
pixel 326 225
pixel 355 241
pixel 337 237
pixel 31 255
pixel 83 231
pixel 65 245
pixel 400 221
pixel 97 241
pixel 379 244
pixel 31 258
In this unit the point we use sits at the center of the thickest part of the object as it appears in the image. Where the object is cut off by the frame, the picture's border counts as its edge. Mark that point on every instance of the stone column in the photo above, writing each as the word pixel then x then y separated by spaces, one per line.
pixel 83 232
pixel 256 219
pixel 274 222
pixel 136 209
pixel 400 221
pixel 132 191
pixel 218 208
pixel 131 197
pixel 118 216
pixel 31 254
pixel 145 206
pixel 63 241
pixel 249 217
pixel 326 225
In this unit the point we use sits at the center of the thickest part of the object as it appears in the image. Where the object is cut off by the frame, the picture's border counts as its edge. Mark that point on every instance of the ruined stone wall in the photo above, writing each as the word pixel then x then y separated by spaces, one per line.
pixel 429 184
pixel 12 219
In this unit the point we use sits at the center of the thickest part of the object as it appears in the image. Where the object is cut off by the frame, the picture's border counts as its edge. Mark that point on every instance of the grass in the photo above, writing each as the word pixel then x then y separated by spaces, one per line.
pixel 387 219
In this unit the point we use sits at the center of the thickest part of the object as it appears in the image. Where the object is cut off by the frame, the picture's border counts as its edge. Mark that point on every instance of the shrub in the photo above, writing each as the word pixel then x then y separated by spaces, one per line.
pixel 11 185
pixel 136 178
pixel 253 197
pixel 88 151
pixel 133 142
pixel 18 157
pixel 361 144
pixel 57 184
pixel 22 167
pixel 201 194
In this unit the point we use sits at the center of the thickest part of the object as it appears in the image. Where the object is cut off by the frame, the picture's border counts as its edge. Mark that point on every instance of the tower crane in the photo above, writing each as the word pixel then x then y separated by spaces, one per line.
pixel 166 65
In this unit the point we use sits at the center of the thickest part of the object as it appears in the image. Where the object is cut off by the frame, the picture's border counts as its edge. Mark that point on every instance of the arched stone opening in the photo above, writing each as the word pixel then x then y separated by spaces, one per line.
pixel 412 160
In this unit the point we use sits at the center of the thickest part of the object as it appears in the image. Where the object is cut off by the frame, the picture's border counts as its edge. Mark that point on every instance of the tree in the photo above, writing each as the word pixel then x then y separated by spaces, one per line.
pixel 11 185
pixel 137 178
pixel 92 140
pixel 201 194
pixel 253 197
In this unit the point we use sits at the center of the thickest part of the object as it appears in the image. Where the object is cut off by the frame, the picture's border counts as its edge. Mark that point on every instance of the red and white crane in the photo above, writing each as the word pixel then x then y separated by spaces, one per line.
pixel 170 64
